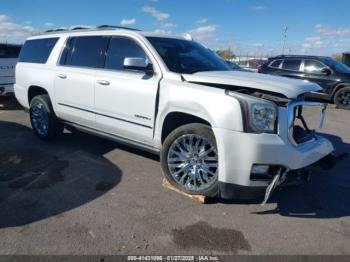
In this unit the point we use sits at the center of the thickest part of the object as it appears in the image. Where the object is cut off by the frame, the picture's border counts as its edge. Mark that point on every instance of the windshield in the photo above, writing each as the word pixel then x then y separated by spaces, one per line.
pixel 187 57
pixel 337 66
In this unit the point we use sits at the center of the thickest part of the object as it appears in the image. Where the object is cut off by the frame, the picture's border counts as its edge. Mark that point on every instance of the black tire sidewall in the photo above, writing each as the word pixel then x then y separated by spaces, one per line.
pixel 198 129
pixel 54 125
pixel 336 98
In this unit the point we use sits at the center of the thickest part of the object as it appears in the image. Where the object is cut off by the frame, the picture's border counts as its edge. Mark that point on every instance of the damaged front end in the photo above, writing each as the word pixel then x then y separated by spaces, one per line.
pixel 300 134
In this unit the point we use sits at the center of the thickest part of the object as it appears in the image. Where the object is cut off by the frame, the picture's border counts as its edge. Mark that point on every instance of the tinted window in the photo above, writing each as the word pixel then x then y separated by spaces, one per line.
pixel 118 49
pixel 85 51
pixel 9 51
pixel 188 57
pixel 291 64
pixel 37 51
pixel 276 63
pixel 313 66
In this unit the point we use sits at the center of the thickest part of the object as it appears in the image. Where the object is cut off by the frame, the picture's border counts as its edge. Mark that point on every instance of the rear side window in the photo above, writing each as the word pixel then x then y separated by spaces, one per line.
pixel 291 64
pixel 37 51
pixel 276 63
pixel 9 51
pixel 85 51
pixel 118 49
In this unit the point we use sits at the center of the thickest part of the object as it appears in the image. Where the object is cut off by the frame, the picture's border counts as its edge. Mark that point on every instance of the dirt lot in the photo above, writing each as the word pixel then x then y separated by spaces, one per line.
pixel 86 195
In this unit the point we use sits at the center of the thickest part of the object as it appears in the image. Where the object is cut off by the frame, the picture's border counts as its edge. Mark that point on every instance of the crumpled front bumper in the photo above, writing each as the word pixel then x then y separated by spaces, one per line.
pixel 239 151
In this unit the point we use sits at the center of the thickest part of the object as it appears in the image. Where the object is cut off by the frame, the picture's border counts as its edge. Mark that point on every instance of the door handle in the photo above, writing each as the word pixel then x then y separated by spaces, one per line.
pixel 62 76
pixel 103 82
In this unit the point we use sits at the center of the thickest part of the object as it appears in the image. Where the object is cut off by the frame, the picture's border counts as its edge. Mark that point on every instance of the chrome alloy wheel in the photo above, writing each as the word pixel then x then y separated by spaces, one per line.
pixel 193 162
pixel 40 118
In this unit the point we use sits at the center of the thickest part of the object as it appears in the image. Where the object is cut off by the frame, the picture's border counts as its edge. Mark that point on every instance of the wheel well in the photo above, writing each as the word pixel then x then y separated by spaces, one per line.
pixel 338 88
pixel 33 91
pixel 177 119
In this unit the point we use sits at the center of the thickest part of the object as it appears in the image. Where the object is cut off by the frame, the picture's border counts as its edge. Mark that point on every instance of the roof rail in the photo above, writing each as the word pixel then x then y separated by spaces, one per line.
pixel 116 27
pixel 80 28
pixel 101 27
pixel 56 30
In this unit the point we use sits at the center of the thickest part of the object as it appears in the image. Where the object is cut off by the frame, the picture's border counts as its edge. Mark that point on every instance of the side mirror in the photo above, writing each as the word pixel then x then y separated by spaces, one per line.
pixel 326 71
pixel 138 64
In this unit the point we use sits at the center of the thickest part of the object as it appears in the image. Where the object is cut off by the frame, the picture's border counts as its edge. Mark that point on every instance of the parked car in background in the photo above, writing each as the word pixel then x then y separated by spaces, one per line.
pixel 251 64
pixel 218 131
pixel 331 75
pixel 8 59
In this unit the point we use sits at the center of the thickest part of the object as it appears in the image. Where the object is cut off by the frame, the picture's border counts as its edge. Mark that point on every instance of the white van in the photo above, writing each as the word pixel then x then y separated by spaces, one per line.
pixel 8 59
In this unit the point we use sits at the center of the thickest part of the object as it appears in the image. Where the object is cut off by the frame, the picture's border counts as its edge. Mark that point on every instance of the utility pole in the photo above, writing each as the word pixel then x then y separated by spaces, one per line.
pixel 285 34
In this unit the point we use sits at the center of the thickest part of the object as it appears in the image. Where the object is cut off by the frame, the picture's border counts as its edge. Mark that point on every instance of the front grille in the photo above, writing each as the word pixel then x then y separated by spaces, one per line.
pixel 299 129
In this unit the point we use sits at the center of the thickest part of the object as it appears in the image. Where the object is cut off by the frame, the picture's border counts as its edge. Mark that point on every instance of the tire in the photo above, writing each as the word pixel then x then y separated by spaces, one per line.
pixel 342 98
pixel 43 119
pixel 193 173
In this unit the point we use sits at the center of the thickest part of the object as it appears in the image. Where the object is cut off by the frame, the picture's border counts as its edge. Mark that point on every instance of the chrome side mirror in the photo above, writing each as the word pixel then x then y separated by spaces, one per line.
pixel 138 64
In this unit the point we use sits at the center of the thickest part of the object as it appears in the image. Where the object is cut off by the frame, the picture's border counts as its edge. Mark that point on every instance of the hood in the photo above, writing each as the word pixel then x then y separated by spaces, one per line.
pixel 288 87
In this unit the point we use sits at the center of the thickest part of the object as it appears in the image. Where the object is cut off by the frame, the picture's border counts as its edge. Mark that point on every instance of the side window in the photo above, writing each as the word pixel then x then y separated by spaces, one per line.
pixel 118 49
pixel 37 51
pixel 276 63
pixel 291 64
pixel 313 66
pixel 85 51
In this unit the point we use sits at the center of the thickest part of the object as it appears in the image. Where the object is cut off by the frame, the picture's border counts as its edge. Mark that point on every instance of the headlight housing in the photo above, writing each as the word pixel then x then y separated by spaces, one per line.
pixel 259 115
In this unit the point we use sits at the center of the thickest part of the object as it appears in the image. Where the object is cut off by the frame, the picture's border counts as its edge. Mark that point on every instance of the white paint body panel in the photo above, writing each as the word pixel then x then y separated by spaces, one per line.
pixel 133 97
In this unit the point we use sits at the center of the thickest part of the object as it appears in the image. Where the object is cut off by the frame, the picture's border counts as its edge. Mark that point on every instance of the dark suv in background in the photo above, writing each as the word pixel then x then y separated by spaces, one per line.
pixel 331 75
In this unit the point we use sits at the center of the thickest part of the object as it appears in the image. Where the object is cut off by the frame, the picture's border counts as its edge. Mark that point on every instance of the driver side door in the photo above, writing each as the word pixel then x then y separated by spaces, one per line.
pixel 125 100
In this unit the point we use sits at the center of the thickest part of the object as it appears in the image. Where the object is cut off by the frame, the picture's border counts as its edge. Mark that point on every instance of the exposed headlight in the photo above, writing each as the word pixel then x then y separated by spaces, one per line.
pixel 259 115
pixel 262 117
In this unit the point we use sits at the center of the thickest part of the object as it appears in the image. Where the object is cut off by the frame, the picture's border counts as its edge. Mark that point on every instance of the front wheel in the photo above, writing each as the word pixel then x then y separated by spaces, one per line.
pixel 43 119
pixel 189 160
pixel 342 98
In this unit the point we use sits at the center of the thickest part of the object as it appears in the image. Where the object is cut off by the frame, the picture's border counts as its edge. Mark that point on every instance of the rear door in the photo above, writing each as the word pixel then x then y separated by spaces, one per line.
pixel 74 80
pixel 291 67
pixel 125 100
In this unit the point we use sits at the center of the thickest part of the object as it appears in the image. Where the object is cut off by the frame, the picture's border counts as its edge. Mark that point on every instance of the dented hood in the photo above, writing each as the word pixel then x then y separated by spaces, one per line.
pixel 291 88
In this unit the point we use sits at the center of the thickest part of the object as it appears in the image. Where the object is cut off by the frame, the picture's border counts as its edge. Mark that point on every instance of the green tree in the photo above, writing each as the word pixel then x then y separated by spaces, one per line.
pixel 338 57
pixel 226 54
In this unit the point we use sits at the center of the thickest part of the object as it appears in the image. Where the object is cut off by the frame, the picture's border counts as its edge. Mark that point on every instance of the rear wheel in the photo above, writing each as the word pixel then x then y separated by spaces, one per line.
pixel 43 119
pixel 342 98
pixel 189 160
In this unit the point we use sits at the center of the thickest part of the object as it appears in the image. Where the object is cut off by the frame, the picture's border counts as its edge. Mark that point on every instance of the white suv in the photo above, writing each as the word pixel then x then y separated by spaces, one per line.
pixel 218 131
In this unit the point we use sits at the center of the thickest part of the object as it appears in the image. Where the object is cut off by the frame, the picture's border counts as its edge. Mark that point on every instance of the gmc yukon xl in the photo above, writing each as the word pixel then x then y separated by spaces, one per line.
pixel 218 131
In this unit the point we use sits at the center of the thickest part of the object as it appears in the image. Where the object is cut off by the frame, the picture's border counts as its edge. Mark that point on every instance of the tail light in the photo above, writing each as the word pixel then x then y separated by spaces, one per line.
pixel 260 69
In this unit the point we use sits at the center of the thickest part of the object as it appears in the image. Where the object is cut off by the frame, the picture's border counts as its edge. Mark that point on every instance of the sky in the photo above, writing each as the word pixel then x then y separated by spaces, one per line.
pixel 248 27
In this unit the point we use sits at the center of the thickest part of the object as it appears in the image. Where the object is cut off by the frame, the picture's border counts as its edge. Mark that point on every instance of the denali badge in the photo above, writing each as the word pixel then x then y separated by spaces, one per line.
pixel 143 117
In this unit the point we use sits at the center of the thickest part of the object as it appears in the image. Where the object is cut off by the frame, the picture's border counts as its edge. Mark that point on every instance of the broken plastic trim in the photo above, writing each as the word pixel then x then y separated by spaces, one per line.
pixel 277 180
